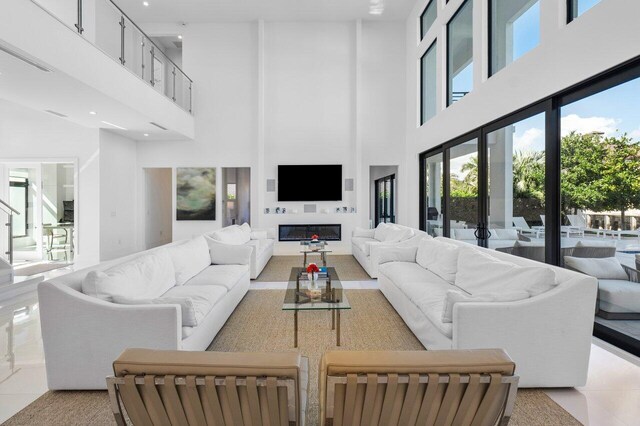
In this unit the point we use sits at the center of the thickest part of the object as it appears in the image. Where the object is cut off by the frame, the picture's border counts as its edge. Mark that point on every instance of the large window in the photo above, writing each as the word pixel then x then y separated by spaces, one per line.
pixel 515 29
pixel 463 189
pixel 428 17
pixel 576 8
pixel 460 53
pixel 428 83
pixel 433 194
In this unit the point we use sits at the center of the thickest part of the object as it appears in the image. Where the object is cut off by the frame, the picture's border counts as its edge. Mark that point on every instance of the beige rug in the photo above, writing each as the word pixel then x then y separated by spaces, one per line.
pixel 279 267
pixel 258 324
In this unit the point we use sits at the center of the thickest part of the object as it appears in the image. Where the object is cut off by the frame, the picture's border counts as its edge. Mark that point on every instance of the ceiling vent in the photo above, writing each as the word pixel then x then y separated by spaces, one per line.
pixel 57 114
pixel 23 58
pixel 158 126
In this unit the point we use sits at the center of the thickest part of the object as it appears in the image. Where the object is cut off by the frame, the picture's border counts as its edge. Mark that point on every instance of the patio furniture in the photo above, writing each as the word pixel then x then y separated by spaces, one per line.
pixel 198 388
pixel 523 227
pixel 619 233
pixel 417 387
pixel 578 221
pixel 566 229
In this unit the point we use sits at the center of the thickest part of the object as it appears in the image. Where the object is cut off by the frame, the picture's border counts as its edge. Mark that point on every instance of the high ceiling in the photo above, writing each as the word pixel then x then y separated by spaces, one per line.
pixel 270 10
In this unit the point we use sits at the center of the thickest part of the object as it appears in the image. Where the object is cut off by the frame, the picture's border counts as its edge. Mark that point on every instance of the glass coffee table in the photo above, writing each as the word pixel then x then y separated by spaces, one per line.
pixel 326 295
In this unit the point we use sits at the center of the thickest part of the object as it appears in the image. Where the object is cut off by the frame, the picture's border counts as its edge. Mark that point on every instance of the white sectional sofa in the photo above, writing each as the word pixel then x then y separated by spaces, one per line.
pixel 453 295
pixel 260 240
pixel 366 243
pixel 174 297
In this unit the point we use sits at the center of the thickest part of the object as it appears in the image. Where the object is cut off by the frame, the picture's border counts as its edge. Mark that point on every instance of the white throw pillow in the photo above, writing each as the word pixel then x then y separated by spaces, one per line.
pixel 364 233
pixel 147 276
pixel 191 316
pixel 190 258
pixel 479 273
pixel 259 235
pixel 234 234
pixel 596 243
pixel 504 234
pixel 464 234
pixel 381 231
pixel 395 234
pixel 224 254
pixel 438 257
pixel 606 268
pixel 454 296
pixel 246 228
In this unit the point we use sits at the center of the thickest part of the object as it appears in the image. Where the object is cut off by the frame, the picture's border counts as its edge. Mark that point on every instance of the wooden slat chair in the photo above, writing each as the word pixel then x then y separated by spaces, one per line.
pixel 209 388
pixel 457 387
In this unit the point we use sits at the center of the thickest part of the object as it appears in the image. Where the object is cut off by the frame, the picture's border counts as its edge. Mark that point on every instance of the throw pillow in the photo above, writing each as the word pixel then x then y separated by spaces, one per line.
pixel 453 296
pixel 224 254
pixel 364 233
pixel 259 235
pixel 504 234
pixel 381 231
pixel 190 258
pixel 606 268
pixel 438 257
pixel 479 273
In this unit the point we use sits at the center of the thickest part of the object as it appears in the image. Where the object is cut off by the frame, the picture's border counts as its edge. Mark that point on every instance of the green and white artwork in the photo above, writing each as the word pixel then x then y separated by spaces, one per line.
pixel 196 193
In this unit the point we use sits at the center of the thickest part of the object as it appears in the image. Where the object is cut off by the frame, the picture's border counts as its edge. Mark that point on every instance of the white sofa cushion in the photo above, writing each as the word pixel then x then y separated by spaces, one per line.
pixel 187 306
pixel 618 296
pixel 246 228
pixel 405 272
pixel 229 254
pixel 479 273
pixel 396 234
pixel 189 259
pixel 381 231
pixel 504 234
pixel 439 257
pixel 145 277
pixel 397 254
pixel 258 235
pixel 606 268
pixel 234 234
pixel 454 296
pixel 203 298
pixel 362 232
pixel 226 276
pixel 363 244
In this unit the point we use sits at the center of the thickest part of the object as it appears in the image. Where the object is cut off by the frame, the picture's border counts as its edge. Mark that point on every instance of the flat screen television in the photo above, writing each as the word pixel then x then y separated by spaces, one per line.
pixel 317 182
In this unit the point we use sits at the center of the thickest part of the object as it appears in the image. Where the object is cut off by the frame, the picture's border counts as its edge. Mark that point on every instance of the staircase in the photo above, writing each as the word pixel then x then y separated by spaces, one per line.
pixel 6 267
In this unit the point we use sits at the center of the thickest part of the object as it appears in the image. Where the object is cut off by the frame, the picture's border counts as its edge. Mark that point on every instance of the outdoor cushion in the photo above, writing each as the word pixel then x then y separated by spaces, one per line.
pixel 189 259
pixel 504 234
pixel 226 276
pixel 464 234
pixel 608 268
pixel 480 273
pixel 619 296
pixel 145 277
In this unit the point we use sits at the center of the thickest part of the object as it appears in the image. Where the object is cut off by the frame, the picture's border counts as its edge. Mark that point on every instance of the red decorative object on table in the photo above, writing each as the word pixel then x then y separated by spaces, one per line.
pixel 312 268
pixel 314 237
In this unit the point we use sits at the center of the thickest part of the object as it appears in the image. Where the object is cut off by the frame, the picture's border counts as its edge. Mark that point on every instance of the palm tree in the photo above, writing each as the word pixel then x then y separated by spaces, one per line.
pixel 528 174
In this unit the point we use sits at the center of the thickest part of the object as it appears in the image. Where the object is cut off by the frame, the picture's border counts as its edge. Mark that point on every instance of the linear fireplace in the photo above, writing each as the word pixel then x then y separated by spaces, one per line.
pixel 304 232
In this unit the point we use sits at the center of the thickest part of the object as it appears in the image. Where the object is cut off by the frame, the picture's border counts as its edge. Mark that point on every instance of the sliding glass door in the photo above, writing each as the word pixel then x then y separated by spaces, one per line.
pixel 385 199
pixel 432 194
pixel 463 196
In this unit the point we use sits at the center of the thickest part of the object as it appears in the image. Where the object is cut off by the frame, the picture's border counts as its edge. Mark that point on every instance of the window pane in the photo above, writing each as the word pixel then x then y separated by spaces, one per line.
pixel 433 195
pixel 427 18
pixel 517 188
pixel 578 7
pixel 460 53
pixel 428 84
pixel 515 29
pixel 463 188
pixel 600 184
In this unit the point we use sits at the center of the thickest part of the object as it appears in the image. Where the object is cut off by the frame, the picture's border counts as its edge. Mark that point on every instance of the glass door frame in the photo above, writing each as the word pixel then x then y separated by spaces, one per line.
pixel 392 210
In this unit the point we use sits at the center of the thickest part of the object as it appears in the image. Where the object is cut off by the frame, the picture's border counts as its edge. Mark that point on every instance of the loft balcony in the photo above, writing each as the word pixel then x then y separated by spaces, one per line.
pixel 76 56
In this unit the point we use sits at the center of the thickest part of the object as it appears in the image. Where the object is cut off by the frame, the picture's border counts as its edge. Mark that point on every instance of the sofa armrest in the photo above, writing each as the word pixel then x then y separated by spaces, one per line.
pixel 634 274
pixel 388 254
pixel 229 254
pixel 82 335
pixel 363 233
pixel 551 329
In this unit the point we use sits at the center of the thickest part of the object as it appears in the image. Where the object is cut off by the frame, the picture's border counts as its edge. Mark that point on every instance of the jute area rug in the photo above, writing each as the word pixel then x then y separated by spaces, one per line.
pixel 279 267
pixel 259 325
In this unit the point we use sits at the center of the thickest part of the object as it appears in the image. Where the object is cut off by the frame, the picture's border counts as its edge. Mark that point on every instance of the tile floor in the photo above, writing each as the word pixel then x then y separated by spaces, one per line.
pixel 610 398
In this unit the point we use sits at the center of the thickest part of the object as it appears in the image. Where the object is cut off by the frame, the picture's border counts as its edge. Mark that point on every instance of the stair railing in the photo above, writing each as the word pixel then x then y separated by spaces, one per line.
pixel 9 211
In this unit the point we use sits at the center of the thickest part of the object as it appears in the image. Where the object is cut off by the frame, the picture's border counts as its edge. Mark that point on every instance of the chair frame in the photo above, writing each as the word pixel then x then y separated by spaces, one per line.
pixel 512 381
pixel 118 411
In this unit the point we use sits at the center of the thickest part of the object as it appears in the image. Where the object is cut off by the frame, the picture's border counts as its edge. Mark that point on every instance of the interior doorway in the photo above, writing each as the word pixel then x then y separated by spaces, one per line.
pixel 236 195
pixel 383 202
pixel 158 206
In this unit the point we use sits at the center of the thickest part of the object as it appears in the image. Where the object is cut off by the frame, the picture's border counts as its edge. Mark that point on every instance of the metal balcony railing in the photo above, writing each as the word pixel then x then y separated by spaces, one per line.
pixel 108 28
pixel 9 211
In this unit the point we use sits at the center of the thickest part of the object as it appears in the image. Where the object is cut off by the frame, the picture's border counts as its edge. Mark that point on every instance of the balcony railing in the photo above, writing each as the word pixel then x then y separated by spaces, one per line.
pixel 108 28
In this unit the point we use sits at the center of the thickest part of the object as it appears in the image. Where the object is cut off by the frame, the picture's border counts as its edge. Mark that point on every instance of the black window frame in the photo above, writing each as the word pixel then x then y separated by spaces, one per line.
pixel 447 45
pixel 392 209
pixel 551 106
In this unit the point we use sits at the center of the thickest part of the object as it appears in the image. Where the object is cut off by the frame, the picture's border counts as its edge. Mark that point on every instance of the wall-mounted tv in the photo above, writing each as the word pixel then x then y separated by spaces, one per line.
pixel 313 182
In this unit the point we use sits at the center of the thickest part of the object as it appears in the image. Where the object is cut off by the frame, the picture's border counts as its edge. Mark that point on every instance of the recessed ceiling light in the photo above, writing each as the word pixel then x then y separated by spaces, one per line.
pixel 113 125
pixel 180 36
pixel 92 112
pixel 145 3
pixel 146 134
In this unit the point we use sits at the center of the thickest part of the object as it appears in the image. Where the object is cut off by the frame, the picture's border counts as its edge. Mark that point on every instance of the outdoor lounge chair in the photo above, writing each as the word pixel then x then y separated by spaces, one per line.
pixel 568 230
pixel 619 233
pixel 197 388
pixel 578 221
pixel 417 387
pixel 521 225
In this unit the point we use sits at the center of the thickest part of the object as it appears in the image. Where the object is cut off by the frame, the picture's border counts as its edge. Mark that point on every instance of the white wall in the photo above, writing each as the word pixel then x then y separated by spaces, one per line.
pixel 118 196
pixel 272 93
pixel 601 38
pixel 30 135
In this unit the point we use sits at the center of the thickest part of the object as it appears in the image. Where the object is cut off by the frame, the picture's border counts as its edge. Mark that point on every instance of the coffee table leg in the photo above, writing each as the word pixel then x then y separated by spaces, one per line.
pixel 338 330
pixel 295 329
pixel 333 319
pixel 304 261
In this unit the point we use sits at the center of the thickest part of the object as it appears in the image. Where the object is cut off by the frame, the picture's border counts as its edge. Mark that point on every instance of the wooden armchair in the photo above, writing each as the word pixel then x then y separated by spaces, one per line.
pixel 198 388
pixel 466 387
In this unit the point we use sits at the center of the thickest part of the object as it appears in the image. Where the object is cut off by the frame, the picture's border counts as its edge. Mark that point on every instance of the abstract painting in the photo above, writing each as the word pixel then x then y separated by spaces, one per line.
pixel 196 193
